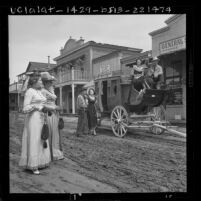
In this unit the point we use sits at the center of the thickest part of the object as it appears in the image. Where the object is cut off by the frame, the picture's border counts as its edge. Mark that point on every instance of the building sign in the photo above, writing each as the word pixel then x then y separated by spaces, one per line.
pixel 105 71
pixel 173 45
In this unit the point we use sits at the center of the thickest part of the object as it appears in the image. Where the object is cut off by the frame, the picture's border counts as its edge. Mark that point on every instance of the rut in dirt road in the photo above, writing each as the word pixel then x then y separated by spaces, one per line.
pixel 133 164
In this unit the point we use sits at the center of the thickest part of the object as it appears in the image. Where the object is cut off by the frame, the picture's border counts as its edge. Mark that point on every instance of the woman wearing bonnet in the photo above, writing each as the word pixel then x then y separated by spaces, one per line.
pixel 33 154
pixel 52 117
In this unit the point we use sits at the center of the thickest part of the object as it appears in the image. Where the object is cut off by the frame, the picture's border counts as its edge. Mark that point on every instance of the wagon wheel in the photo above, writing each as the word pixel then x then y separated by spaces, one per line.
pixel 159 115
pixel 119 121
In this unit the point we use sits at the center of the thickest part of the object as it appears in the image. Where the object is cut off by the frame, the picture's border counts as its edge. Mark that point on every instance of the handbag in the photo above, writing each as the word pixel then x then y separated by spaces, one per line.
pixel 61 123
pixel 45 132
pixel 98 119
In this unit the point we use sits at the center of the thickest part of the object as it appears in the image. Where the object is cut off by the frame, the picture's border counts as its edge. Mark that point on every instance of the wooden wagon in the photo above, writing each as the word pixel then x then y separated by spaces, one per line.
pixel 121 101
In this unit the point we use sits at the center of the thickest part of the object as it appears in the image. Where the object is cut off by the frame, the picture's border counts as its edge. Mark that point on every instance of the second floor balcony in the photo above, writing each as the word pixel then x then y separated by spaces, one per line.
pixel 122 72
pixel 15 87
pixel 72 75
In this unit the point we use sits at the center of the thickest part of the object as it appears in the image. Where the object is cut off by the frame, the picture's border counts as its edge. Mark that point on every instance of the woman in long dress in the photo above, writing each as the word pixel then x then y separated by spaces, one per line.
pixel 53 117
pixel 33 154
pixel 92 111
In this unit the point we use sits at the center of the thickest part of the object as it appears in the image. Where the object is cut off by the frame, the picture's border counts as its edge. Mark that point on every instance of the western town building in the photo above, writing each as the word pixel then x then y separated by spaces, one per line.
pixel 16 95
pixel 75 66
pixel 111 71
pixel 169 44
pixel 80 62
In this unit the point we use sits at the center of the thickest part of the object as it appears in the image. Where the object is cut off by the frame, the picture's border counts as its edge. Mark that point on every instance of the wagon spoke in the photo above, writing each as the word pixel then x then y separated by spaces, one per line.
pixel 118 112
pixel 115 114
pixel 125 120
pixel 121 112
pixel 115 126
pixel 112 118
pixel 121 130
pixel 124 129
pixel 124 115
pixel 118 130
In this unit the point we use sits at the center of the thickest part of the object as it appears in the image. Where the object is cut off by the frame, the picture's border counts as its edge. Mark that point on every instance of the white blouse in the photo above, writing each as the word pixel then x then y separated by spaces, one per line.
pixel 50 96
pixel 138 71
pixel 33 99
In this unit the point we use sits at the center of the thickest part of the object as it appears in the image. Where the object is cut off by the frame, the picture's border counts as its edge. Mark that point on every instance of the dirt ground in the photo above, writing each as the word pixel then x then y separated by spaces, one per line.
pixel 104 163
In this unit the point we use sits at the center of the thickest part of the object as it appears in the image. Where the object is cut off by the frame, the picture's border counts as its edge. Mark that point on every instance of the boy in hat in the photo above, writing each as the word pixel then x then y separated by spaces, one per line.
pixel 82 103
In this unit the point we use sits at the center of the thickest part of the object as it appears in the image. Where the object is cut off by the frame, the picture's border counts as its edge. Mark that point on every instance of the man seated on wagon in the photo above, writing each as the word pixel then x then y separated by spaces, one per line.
pixel 154 76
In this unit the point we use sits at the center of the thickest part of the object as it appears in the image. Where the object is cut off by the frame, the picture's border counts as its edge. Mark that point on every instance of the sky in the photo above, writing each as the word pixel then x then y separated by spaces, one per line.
pixel 33 38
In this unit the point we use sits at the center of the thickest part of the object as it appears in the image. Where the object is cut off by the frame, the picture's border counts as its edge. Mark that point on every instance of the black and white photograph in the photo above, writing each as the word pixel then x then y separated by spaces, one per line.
pixel 97 103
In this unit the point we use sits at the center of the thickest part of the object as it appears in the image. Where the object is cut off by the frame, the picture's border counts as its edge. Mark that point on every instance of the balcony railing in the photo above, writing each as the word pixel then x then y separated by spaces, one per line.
pixel 125 72
pixel 15 87
pixel 73 75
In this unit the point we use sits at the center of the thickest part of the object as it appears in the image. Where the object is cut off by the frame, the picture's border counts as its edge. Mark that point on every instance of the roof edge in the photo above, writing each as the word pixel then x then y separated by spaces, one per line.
pixel 93 43
pixel 172 18
pixel 158 31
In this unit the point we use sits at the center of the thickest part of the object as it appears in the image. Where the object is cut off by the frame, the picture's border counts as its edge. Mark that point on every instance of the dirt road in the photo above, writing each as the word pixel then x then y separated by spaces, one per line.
pixel 103 163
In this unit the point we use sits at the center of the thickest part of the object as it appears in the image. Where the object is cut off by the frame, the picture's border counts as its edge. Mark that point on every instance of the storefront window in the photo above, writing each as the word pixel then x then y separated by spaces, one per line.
pixel 173 79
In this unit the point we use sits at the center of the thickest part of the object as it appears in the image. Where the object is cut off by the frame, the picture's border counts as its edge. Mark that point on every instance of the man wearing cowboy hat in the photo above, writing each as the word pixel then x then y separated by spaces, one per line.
pixel 82 103
pixel 156 74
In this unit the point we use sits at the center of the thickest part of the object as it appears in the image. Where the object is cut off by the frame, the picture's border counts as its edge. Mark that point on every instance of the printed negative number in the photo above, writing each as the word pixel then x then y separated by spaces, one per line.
pixel 138 10
pixel 135 10
pixel 85 10
pixel 168 9
pixel 141 10
pixel 115 10
pixel 73 10
pixel 155 9
pixel 112 9
pixel 161 9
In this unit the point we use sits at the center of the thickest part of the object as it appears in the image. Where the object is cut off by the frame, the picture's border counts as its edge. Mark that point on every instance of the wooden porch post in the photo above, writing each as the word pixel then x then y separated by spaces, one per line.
pixel 73 92
pixel 60 97
pixel 73 98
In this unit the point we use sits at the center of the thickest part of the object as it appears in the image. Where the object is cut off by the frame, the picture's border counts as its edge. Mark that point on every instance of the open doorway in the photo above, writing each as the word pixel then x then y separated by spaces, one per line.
pixel 104 96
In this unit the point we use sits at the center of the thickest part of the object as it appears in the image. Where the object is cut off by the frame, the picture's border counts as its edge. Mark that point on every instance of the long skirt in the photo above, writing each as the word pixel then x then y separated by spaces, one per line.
pixel 92 117
pixel 82 125
pixel 138 83
pixel 54 137
pixel 33 155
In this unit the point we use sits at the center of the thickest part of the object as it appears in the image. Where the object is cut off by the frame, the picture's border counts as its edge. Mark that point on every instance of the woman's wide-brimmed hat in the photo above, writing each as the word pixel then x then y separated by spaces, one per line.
pixel 90 88
pixel 45 76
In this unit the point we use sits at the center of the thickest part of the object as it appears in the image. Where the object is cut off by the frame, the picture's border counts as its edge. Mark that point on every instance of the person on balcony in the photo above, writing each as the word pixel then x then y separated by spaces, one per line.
pixel 82 104
pixel 52 117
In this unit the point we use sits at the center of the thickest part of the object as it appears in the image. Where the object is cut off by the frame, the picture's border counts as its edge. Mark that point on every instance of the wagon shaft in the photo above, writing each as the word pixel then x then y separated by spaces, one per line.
pixel 170 130
pixel 149 122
